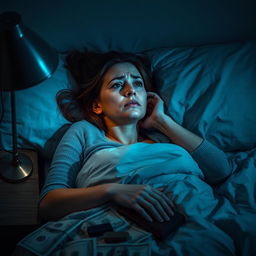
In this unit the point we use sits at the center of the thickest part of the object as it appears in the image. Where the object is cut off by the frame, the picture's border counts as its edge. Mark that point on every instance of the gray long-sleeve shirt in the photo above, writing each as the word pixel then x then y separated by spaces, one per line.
pixel 82 140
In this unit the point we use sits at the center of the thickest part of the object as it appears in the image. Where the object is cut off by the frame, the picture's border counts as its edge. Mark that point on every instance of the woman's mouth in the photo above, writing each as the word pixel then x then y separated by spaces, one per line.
pixel 132 103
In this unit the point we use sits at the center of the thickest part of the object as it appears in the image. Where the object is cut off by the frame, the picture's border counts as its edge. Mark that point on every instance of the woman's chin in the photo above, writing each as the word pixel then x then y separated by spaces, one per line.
pixel 133 115
pixel 131 118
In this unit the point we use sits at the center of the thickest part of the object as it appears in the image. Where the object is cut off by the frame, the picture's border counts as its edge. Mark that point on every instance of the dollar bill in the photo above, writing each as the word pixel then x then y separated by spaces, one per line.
pixel 108 215
pixel 82 247
pixel 66 226
pixel 44 240
pixel 137 235
pixel 124 249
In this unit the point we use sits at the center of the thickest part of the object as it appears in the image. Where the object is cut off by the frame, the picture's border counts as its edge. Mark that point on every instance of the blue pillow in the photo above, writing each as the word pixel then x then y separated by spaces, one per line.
pixel 211 90
pixel 37 114
pixel 208 89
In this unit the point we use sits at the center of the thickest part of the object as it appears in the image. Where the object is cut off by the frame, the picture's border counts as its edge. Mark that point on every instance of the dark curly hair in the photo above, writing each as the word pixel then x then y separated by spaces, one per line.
pixel 87 70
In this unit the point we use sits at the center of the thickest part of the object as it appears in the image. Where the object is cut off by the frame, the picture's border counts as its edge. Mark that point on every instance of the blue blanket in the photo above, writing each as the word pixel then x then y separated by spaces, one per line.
pixel 219 220
pixel 136 163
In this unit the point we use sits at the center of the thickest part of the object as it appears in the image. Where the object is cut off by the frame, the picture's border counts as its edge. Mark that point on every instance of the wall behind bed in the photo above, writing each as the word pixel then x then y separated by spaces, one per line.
pixel 136 24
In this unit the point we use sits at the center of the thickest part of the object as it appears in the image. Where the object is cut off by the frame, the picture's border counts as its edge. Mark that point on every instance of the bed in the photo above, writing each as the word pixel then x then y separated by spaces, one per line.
pixel 208 87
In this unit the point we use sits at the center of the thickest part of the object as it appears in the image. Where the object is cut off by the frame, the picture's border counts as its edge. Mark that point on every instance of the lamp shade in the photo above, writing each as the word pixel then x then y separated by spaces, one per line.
pixel 25 58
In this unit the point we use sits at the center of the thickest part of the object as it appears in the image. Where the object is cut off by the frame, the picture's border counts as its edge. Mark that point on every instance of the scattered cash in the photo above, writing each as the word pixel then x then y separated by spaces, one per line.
pixel 46 239
pixel 137 235
pixel 81 247
pixel 124 249
pixel 52 238
pixel 107 216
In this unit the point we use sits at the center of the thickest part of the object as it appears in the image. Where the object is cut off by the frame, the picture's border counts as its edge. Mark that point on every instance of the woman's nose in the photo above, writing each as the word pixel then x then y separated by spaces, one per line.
pixel 130 91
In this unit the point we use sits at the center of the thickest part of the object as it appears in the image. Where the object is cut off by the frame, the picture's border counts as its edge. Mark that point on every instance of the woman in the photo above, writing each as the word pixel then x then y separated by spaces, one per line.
pixel 120 113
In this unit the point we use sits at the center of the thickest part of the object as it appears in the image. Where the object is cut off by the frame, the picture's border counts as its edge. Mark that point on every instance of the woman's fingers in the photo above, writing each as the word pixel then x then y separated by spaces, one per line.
pixel 152 208
pixel 153 204
pixel 149 202
pixel 154 97
pixel 142 212
pixel 160 205
pixel 165 202
pixel 167 199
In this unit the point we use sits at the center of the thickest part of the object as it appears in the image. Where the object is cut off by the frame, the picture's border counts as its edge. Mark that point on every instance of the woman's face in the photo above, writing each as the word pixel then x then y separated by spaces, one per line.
pixel 123 98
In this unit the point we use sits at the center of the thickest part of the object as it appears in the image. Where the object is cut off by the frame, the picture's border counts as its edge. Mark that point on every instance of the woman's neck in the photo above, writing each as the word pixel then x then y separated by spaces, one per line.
pixel 126 134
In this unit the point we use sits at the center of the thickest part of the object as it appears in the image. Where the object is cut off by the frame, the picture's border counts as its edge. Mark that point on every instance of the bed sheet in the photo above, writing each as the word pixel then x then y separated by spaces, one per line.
pixel 219 221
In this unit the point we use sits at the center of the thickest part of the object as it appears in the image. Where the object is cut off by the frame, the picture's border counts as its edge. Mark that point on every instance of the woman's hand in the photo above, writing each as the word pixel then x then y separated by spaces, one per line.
pixel 155 111
pixel 149 202
pixel 155 118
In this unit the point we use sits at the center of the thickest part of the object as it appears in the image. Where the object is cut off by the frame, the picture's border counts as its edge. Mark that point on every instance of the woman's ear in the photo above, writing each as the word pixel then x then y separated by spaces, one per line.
pixel 96 108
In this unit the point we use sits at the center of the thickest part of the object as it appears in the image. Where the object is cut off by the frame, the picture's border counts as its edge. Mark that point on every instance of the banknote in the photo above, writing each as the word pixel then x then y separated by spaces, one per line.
pixel 107 215
pixel 44 240
pixel 82 247
pixel 137 235
pixel 124 249
pixel 62 226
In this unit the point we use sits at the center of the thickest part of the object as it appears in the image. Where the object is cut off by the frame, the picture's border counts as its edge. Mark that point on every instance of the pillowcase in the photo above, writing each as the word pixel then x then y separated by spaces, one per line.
pixel 211 90
pixel 37 114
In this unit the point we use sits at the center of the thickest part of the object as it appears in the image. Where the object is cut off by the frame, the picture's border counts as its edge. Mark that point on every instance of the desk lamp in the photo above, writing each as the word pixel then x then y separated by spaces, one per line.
pixel 25 60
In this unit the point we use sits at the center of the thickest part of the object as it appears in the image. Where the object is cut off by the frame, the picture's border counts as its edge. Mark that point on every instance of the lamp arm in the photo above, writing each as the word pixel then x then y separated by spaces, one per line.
pixel 15 167
pixel 15 158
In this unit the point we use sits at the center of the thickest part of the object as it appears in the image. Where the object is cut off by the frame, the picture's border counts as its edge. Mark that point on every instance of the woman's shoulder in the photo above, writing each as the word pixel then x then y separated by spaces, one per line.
pixel 84 124
pixel 82 128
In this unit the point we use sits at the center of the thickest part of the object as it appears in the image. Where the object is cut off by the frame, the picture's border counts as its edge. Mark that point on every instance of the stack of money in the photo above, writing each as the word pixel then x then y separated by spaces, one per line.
pixel 46 239
pixel 108 215
pixel 69 237
pixel 87 247
pixel 82 247
pixel 124 249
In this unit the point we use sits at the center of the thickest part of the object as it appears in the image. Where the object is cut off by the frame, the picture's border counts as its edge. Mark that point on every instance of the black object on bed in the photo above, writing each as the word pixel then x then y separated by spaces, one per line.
pixel 159 229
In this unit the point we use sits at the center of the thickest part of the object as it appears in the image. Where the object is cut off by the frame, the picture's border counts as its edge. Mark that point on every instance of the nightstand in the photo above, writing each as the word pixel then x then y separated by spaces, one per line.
pixel 19 206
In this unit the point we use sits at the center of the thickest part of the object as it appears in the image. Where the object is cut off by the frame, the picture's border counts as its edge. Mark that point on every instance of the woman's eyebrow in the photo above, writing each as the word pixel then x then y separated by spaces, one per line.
pixel 122 77
pixel 117 78
pixel 136 77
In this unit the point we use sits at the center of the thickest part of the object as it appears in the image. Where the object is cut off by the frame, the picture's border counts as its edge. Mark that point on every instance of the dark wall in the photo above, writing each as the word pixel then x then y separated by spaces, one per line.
pixel 137 24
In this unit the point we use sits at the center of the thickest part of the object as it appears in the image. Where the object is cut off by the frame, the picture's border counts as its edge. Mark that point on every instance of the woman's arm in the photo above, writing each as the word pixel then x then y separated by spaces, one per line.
pixel 211 160
pixel 62 201
pixel 60 197
pixel 149 202
pixel 157 119
pixel 178 134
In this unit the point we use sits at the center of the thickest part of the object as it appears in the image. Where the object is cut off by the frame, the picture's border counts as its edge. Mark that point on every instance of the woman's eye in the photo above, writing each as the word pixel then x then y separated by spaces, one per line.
pixel 139 84
pixel 117 85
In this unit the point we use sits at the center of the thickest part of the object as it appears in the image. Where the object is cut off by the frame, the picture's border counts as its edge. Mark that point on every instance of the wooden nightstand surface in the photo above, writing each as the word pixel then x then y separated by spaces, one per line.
pixel 18 201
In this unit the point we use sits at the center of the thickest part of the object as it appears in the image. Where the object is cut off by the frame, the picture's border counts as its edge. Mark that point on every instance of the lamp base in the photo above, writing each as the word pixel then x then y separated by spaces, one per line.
pixel 15 173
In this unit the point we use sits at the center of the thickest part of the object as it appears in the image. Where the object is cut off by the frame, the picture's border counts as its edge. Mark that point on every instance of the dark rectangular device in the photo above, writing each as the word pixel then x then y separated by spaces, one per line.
pixel 99 230
pixel 115 237
pixel 159 229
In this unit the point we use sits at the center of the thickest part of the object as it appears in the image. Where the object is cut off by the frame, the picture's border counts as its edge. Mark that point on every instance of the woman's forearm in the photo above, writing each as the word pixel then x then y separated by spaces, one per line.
pixel 178 134
pixel 60 202
pixel 211 160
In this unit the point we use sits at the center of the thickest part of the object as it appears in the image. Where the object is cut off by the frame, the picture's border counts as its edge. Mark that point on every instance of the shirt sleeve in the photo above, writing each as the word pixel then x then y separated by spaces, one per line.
pixel 67 160
pixel 212 161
